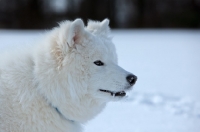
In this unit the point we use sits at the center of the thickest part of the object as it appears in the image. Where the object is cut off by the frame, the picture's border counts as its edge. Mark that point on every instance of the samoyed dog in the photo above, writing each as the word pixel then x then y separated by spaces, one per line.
pixel 63 81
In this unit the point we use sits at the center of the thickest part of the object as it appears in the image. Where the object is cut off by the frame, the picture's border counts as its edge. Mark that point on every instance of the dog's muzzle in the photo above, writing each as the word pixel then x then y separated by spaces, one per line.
pixel 131 79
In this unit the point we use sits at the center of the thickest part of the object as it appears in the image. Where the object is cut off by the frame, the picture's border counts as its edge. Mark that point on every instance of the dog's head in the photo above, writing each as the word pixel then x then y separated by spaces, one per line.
pixel 84 61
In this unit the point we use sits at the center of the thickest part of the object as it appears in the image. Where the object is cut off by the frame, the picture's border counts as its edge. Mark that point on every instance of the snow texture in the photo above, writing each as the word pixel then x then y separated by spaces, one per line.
pixel 166 97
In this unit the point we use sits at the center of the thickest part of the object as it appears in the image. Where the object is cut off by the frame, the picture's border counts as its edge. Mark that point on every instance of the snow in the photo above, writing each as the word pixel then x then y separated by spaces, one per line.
pixel 166 97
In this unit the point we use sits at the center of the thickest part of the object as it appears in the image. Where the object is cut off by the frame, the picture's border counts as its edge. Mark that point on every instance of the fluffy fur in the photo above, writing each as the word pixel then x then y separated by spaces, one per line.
pixel 55 85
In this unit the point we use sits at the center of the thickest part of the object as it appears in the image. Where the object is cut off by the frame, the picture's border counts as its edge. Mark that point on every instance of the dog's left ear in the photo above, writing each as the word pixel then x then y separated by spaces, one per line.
pixel 99 28
pixel 76 32
pixel 105 26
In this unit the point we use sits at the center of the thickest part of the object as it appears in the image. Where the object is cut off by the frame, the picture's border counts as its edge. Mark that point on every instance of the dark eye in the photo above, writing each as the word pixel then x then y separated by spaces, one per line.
pixel 99 63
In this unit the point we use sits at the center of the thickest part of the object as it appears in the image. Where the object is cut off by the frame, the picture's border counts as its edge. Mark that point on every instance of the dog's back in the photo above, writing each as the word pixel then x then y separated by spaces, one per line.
pixel 15 80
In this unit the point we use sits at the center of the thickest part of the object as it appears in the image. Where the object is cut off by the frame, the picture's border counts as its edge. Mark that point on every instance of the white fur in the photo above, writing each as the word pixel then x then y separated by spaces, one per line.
pixel 59 72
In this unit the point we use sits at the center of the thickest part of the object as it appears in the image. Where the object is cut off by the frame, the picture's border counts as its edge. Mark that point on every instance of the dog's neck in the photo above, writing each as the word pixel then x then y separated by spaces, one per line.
pixel 57 111
pixel 61 115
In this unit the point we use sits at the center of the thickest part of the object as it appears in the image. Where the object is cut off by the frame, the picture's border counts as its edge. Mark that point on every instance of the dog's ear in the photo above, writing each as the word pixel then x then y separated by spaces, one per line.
pixel 76 32
pixel 65 37
pixel 105 25
pixel 99 28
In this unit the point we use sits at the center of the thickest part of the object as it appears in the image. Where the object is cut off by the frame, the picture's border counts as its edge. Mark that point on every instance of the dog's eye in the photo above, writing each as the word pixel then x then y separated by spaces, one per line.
pixel 98 63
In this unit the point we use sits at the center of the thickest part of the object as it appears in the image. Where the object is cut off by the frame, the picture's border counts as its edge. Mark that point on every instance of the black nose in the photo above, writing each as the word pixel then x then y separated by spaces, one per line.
pixel 131 79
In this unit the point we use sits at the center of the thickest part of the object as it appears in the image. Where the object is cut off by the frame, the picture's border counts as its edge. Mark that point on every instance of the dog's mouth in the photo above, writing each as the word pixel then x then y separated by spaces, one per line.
pixel 118 94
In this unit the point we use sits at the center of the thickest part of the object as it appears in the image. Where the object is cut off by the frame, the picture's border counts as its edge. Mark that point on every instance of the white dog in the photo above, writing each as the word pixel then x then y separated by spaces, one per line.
pixel 62 82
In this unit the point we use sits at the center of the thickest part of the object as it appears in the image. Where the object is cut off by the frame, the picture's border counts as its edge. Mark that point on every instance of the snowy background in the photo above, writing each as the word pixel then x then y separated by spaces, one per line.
pixel 166 97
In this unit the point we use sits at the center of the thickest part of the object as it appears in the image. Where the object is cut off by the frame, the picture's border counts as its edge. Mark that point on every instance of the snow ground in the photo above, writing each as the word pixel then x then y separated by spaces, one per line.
pixel 166 97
